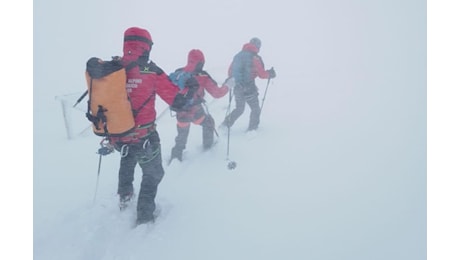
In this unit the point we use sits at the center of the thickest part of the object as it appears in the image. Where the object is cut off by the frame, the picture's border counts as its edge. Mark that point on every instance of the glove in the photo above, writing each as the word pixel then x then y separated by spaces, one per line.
pixel 272 73
pixel 230 82
pixel 106 147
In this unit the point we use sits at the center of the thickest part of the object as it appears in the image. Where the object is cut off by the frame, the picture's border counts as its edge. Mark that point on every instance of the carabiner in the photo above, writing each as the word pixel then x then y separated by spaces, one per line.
pixel 124 150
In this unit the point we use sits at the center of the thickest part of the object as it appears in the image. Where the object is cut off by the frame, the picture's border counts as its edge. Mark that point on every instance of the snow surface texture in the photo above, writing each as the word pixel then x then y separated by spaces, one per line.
pixel 337 169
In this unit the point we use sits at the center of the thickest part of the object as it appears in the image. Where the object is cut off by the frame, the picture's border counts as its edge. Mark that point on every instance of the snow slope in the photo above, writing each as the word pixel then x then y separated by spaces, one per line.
pixel 337 169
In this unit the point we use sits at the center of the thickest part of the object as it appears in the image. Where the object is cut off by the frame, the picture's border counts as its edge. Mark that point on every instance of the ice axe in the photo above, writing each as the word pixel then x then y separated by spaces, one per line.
pixel 80 99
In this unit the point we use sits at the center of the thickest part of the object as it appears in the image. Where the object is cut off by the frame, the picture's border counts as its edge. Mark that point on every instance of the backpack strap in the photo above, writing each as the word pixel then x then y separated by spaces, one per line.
pixel 131 65
pixel 100 116
pixel 136 111
pixel 145 69
pixel 90 117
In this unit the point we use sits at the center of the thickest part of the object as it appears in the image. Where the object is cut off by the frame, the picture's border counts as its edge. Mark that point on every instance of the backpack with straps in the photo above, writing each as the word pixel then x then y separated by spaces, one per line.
pixel 242 68
pixel 109 107
pixel 188 85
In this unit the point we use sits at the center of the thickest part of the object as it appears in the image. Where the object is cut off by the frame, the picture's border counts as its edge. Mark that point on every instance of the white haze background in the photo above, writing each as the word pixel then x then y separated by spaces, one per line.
pixel 337 170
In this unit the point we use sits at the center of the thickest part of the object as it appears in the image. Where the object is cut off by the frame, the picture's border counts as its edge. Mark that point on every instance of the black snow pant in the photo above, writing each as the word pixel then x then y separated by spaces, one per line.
pixel 242 96
pixel 184 119
pixel 147 154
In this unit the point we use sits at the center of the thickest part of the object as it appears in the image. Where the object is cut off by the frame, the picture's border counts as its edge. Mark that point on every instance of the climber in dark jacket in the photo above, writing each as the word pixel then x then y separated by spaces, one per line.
pixel 246 66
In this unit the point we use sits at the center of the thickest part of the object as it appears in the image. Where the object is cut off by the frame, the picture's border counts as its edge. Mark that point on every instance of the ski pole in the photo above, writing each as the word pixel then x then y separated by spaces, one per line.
pixel 231 164
pixel 230 96
pixel 106 148
pixel 226 116
pixel 265 94
pixel 97 180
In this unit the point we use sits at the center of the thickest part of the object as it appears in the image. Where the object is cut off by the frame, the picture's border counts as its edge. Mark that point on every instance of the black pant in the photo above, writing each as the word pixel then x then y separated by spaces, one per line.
pixel 243 96
pixel 147 154
pixel 183 128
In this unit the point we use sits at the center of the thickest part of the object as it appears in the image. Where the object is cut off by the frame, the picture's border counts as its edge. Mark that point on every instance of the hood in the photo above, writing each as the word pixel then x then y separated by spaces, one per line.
pixel 137 42
pixel 250 47
pixel 195 61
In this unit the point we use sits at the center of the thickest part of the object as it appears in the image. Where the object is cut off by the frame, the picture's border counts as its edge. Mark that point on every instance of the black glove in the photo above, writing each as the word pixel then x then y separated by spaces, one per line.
pixel 106 147
pixel 272 73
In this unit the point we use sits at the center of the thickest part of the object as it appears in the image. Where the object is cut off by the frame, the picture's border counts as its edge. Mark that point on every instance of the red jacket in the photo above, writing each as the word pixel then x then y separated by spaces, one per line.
pixel 144 83
pixel 195 62
pixel 207 83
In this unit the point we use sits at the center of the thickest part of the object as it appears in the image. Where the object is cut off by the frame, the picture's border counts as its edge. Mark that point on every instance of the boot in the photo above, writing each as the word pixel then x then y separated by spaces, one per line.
pixel 176 153
pixel 181 140
pixel 125 200
pixel 208 132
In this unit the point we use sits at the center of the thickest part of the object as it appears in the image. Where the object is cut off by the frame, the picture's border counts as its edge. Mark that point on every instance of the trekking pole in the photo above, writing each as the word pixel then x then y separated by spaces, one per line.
pixel 231 164
pixel 82 96
pixel 106 148
pixel 97 180
pixel 265 94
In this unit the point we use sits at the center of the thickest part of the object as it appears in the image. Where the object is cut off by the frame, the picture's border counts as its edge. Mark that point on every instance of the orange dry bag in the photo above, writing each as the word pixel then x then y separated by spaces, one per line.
pixel 109 108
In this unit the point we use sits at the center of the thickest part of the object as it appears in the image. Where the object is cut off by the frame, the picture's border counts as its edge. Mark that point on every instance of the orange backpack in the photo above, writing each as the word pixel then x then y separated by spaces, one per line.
pixel 109 108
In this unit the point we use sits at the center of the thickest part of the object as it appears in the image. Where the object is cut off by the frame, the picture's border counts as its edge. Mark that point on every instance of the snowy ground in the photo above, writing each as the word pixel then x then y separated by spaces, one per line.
pixel 305 190
pixel 336 171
